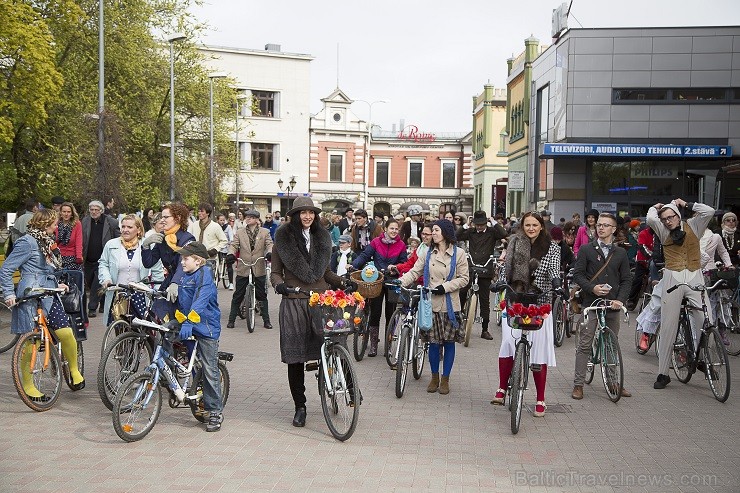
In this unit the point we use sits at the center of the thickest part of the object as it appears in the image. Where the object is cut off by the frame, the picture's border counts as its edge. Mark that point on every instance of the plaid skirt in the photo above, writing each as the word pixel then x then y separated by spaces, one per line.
pixel 443 330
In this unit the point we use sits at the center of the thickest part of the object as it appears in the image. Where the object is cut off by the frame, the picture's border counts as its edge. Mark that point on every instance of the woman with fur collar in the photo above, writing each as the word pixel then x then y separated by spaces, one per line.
pixel 731 236
pixel 300 258
pixel 532 261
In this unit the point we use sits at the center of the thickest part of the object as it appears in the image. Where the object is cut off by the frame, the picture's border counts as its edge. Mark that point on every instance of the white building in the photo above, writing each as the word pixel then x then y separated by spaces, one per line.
pixel 273 142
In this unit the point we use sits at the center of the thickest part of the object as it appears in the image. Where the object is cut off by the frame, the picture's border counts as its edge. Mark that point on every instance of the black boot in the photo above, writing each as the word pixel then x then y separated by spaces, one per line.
pixel 299 420
pixel 374 339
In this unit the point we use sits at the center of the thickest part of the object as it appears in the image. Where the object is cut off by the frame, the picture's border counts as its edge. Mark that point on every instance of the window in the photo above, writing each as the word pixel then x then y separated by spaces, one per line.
pixel 698 94
pixel 448 175
pixel 415 174
pixel 264 103
pixel 640 95
pixel 382 169
pixel 263 156
pixel 336 167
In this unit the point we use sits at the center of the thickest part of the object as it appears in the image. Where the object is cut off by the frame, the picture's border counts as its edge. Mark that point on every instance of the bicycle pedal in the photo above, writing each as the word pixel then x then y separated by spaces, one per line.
pixel 312 366
pixel 535 367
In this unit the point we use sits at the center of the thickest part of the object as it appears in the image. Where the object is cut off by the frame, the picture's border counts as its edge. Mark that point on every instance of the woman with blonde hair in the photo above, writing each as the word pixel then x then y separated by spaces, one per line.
pixel 68 236
pixel 120 263
pixel 37 257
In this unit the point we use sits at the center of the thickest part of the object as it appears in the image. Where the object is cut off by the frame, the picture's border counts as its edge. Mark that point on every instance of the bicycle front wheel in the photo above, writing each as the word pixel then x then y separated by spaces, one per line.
pixel 361 336
pixel 560 320
pixel 470 308
pixel 129 353
pixel 402 367
pixel 340 396
pixel 421 353
pixel 393 330
pixel 518 386
pixel 612 372
pixel 80 365
pixel 250 300
pixel 223 272
pixel 114 329
pixel 137 407
pixel 31 373
pixel 717 365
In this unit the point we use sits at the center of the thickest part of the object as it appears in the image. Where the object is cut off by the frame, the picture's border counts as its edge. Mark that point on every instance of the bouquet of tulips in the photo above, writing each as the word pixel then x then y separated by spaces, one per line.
pixel 338 309
pixel 526 317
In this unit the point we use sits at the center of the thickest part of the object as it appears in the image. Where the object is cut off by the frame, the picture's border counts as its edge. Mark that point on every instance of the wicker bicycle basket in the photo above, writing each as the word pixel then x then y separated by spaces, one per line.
pixel 368 289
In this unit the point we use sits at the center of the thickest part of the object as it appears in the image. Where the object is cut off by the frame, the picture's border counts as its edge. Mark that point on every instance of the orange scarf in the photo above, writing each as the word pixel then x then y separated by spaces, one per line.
pixel 171 238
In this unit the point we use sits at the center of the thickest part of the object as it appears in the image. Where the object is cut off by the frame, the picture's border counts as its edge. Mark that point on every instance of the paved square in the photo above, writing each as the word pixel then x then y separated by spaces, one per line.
pixel 678 439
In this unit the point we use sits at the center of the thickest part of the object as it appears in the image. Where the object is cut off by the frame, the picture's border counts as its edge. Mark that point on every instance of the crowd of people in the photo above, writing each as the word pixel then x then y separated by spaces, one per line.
pixel 315 250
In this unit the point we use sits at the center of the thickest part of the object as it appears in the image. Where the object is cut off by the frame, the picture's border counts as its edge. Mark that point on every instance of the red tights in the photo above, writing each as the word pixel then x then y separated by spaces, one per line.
pixel 505 365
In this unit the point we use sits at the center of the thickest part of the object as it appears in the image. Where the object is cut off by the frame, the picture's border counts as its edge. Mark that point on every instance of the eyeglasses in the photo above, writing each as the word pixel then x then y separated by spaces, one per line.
pixel 426 234
pixel 668 218
pixel 604 225
pixel 730 220
pixel 458 219
pixel 166 217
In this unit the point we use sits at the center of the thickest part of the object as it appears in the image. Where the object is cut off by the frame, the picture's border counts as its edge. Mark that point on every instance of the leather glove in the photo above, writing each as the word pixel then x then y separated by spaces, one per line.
pixel 172 292
pixel 281 288
pixel 438 290
pixel 350 285
pixel 268 256
pixel 186 331
pixel 212 252
pixel 152 239
pixel 230 259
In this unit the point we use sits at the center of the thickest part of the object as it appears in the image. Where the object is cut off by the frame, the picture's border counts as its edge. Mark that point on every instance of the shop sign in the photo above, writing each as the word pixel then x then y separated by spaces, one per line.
pixel 646 172
pixel 516 181
pixel 637 150
pixel 411 132
pixel 605 206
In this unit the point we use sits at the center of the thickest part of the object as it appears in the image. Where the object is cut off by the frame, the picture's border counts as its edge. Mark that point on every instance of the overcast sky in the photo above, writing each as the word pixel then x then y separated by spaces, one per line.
pixel 427 58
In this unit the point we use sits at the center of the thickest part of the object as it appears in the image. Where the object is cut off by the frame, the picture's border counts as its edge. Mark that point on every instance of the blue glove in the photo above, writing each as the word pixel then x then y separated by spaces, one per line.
pixel 438 290
pixel 186 331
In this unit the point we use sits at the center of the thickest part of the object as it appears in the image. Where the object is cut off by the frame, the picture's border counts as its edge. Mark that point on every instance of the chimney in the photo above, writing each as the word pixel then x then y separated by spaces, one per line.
pixel 272 47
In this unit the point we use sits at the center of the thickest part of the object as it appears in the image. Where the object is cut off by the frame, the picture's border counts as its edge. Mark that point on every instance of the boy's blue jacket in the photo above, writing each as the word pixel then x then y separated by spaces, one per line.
pixel 204 307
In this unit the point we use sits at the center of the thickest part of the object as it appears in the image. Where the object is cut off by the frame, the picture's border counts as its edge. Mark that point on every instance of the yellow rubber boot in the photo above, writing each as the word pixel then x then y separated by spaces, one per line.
pixel 26 377
pixel 69 349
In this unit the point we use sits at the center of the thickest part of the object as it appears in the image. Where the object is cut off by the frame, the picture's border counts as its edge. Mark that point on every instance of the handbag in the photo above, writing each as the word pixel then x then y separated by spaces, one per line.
pixel 71 300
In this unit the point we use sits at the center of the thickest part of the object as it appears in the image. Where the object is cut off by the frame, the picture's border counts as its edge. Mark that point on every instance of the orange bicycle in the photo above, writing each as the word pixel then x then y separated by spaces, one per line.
pixel 38 362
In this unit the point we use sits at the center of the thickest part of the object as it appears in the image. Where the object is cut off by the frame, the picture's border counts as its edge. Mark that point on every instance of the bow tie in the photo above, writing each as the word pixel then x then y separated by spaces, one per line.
pixel 604 246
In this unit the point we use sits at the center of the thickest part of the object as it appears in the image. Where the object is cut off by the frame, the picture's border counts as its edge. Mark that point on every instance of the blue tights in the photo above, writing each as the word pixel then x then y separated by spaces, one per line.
pixel 449 357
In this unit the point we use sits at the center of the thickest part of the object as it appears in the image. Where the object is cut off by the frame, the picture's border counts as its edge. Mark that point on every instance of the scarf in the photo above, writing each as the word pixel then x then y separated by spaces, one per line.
pixel 388 240
pixel 678 235
pixel 64 232
pixel 48 246
pixel 728 231
pixel 203 225
pixel 421 250
pixel 130 245
pixel 171 238
pixel 252 235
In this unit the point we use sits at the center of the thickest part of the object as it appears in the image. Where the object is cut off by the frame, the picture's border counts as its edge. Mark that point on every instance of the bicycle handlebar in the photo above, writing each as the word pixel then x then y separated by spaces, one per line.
pixel 470 259
pixel 38 292
pixel 410 291
pixel 253 263
pixel 698 287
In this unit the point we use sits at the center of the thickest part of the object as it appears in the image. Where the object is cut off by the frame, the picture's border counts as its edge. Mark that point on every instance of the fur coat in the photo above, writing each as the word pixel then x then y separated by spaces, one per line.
pixel 530 268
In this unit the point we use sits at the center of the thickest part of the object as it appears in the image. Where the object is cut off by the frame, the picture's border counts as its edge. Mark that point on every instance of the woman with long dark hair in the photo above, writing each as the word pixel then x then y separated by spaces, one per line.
pixel 300 258
pixel 587 232
pixel 532 261
pixel 69 237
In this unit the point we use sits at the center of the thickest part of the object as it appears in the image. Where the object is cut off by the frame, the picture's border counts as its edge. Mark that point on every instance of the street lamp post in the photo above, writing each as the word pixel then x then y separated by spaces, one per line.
pixel 369 140
pixel 171 40
pixel 101 90
pixel 289 188
pixel 212 192
pixel 239 97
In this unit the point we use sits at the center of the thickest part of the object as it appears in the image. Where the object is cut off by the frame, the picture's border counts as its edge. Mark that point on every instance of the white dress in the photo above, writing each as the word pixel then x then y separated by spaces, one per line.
pixel 543 345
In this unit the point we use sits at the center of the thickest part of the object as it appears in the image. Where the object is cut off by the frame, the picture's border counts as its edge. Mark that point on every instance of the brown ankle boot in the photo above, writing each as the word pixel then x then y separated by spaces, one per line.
pixel 434 384
pixel 444 385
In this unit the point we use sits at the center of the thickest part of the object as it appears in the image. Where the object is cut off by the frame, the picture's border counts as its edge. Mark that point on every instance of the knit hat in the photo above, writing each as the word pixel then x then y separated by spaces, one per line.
pixel 556 233
pixel 672 207
pixel 448 229
pixel 635 223
pixel 730 215
pixel 345 239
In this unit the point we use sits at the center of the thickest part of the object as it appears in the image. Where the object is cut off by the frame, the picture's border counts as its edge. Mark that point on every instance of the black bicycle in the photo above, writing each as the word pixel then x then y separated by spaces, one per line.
pixel 710 354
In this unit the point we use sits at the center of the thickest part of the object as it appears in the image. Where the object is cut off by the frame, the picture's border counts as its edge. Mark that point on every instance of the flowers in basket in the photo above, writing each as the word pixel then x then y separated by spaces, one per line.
pixel 338 309
pixel 526 317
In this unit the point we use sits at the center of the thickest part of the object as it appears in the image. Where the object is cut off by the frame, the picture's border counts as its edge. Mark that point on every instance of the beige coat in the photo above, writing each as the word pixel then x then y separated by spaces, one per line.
pixel 262 246
pixel 439 269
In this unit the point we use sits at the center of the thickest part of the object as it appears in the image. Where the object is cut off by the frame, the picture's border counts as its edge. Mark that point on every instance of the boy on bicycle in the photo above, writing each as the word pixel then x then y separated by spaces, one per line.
pixel 200 316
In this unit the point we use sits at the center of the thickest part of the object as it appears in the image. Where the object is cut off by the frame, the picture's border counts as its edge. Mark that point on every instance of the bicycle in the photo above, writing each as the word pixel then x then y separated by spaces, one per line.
pixel 122 310
pixel 48 365
pixel 131 349
pixel 728 313
pixel 407 346
pixel 7 338
pixel 250 307
pixel 220 270
pixel 338 385
pixel 142 393
pixel 471 301
pixel 711 355
pixel 562 312
pixel 605 350
pixel 519 377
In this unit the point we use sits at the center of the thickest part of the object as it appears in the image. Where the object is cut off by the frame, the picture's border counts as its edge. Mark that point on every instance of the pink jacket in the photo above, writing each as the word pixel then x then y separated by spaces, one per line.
pixel 581 239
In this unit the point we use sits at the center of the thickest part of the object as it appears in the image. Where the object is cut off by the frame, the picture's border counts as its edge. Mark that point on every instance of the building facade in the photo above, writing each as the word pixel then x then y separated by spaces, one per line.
pixel 489 155
pixel 271 124
pixel 385 171
pixel 621 119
